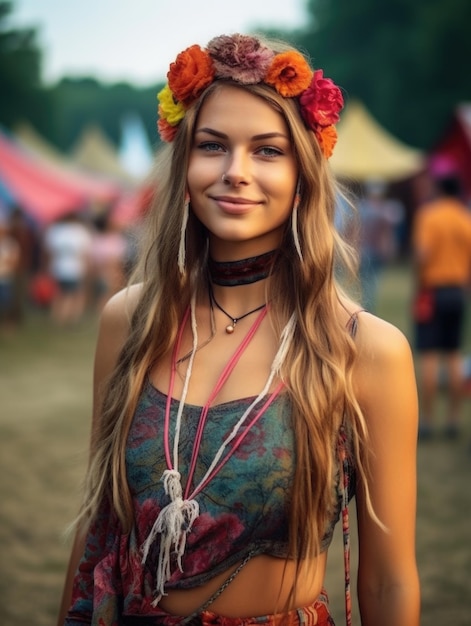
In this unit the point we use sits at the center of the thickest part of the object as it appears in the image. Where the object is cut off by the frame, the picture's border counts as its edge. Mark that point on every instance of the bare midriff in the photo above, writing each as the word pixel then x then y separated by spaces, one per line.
pixel 262 587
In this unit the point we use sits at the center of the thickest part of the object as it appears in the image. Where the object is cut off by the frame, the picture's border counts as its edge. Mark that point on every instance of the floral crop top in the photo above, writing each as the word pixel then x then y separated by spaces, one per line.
pixel 243 509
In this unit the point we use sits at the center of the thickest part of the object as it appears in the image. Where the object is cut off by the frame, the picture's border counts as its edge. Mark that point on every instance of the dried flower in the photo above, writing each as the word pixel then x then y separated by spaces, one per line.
pixel 240 57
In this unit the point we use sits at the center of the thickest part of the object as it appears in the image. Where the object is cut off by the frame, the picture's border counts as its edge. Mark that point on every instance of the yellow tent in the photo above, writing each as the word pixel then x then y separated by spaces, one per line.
pixel 32 140
pixel 96 153
pixel 366 151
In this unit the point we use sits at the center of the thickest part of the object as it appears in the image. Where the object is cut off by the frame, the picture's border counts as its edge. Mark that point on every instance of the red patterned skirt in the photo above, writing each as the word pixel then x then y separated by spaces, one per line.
pixel 316 614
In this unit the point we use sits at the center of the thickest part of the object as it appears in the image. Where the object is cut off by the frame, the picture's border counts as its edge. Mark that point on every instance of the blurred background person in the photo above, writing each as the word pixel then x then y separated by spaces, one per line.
pixel 9 259
pixel 108 255
pixel 67 246
pixel 379 218
pixel 24 234
pixel 441 242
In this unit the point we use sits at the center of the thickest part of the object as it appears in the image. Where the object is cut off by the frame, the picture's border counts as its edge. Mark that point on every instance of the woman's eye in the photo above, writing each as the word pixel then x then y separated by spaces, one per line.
pixel 269 151
pixel 210 146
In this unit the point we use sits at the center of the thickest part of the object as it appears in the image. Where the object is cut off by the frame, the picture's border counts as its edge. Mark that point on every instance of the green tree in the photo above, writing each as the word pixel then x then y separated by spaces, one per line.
pixel 404 59
pixel 22 96
pixel 80 102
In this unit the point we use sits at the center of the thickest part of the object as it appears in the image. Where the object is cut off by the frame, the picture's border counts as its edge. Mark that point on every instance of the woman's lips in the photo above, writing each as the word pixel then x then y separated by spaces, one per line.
pixel 234 205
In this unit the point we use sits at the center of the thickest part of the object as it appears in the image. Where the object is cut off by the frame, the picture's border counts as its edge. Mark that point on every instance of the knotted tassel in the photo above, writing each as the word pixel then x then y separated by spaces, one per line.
pixel 173 523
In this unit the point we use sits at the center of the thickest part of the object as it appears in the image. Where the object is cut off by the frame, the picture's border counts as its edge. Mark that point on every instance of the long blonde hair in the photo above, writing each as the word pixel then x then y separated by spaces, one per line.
pixel 318 368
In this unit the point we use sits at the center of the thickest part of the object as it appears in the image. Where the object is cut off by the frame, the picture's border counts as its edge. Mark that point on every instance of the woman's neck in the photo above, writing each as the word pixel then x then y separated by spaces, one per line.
pixel 242 271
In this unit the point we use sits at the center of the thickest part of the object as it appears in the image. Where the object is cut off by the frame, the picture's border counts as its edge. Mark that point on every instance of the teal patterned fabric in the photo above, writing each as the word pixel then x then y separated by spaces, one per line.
pixel 243 509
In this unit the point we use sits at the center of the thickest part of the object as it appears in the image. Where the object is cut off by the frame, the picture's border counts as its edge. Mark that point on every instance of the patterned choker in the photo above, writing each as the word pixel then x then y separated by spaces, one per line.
pixel 243 272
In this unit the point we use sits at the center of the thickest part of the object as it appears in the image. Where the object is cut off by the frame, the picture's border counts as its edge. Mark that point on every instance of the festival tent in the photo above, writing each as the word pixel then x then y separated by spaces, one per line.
pixel 6 198
pixel 453 148
pixel 45 187
pixel 40 192
pixel 94 152
pixel 366 151
pixel 99 189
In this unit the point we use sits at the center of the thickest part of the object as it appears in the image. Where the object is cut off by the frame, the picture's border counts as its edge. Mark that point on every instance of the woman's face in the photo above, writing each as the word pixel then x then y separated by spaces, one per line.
pixel 242 173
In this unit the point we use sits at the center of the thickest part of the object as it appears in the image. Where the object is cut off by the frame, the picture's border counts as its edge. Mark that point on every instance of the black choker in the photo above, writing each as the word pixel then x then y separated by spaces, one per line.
pixel 243 272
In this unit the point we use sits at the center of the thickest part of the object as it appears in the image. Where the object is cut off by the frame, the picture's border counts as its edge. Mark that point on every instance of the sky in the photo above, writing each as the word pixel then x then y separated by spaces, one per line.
pixel 136 40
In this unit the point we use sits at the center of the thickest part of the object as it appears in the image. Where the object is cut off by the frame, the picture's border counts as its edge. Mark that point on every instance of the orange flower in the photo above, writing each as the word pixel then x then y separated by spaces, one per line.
pixel 190 73
pixel 167 132
pixel 289 73
pixel 327 138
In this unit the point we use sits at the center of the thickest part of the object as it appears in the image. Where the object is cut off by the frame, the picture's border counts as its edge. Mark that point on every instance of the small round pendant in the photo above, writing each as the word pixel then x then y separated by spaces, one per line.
pixel 229 329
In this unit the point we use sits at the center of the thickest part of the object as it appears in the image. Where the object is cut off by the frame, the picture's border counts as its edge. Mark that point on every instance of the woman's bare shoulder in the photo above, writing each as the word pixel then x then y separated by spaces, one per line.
pixel 119 309
pixel 373 335
pixel 377 338
pixel 114 328
pixel 384 372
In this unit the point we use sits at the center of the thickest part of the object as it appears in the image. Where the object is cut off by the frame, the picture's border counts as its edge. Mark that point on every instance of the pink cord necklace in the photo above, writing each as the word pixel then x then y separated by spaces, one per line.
pixel 175 520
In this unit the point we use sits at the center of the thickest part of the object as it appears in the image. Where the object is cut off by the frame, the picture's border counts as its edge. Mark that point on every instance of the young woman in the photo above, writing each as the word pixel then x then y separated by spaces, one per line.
pixel 241 399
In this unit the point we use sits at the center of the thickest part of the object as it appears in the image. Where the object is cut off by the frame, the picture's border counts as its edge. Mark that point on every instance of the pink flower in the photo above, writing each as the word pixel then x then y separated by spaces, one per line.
pixel 322 101
pixel 240 57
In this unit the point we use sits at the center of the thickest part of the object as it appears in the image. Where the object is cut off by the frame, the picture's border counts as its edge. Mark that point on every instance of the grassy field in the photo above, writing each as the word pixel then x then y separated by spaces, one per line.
pixel 45 396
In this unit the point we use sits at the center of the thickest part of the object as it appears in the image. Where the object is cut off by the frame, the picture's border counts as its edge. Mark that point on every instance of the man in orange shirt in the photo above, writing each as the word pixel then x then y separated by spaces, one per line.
pixel 442 251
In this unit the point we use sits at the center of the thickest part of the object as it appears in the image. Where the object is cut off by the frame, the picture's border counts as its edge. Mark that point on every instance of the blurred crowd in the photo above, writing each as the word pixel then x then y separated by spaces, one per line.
pixel 72 266
pixel 436 239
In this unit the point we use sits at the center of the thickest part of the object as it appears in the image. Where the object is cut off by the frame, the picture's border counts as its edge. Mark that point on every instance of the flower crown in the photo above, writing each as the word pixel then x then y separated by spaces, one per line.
pixel 246 60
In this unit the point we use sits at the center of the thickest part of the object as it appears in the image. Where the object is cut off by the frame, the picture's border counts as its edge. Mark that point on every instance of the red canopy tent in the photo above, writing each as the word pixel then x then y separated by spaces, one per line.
pixel 46 192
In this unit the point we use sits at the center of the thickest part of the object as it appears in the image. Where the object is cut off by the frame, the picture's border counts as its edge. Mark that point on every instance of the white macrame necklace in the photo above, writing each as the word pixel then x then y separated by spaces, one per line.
pixel 176 519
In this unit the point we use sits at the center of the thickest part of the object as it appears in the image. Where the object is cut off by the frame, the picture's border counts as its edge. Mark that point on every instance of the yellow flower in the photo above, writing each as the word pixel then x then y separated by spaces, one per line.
pixel 169 110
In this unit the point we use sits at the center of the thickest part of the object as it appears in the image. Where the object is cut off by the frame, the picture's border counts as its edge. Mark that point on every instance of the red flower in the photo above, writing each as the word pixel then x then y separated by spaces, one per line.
pixel 322 101
pixel 190 73
pixel 167 132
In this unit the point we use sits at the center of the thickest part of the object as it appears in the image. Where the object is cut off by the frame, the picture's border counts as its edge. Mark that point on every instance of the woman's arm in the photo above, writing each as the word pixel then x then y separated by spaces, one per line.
pixel 114 325
pixel 388 584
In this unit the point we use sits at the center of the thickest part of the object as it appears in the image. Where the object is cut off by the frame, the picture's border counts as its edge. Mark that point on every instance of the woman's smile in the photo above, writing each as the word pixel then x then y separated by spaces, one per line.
pixel 235 205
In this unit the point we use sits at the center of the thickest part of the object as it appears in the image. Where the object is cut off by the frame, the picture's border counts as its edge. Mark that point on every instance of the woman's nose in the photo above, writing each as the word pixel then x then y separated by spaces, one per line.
pixel 237 170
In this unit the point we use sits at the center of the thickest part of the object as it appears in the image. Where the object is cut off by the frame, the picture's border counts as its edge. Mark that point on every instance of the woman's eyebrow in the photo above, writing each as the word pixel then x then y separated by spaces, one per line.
pixel 262 136
pixel 211 131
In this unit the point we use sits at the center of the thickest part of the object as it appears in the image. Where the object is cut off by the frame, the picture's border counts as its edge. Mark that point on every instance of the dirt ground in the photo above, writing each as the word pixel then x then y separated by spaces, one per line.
pixel 45 392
